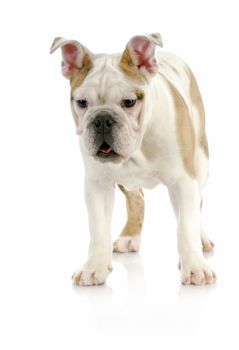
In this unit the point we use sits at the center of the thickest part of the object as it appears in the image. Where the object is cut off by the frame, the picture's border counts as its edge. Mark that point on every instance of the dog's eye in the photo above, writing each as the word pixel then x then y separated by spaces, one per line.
pixel 129 103
pixel 82 103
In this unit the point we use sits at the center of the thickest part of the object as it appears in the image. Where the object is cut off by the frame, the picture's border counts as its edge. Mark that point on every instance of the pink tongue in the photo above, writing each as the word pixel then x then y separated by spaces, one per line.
pixel 105 149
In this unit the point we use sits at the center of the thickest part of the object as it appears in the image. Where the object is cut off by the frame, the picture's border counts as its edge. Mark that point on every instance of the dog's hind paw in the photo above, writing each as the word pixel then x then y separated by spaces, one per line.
pixel 207 244
pixel 126 244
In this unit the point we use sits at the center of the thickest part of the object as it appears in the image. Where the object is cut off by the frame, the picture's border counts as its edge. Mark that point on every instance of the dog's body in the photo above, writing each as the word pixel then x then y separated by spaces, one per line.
pixel 141 123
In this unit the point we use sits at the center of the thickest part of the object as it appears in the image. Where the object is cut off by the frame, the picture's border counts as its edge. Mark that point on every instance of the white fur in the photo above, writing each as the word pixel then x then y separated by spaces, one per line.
pixel 106 85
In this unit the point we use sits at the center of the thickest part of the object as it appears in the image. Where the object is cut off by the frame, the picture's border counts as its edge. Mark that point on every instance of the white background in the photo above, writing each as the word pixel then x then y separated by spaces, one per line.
pixel 44 233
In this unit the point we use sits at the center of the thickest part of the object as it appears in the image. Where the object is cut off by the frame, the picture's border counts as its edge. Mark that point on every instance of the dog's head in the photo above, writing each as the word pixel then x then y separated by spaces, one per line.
pixel 109 93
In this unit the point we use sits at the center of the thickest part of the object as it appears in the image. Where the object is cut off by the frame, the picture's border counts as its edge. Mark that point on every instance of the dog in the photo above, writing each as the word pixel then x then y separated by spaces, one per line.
pixel 141 122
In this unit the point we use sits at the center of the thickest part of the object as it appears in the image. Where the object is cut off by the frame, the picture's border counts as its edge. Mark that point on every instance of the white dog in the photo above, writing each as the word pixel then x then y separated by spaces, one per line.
pixel 140 121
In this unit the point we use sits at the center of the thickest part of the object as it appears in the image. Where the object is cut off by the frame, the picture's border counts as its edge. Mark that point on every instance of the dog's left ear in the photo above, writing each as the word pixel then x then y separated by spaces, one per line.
pixel 139 56
pixel 75 56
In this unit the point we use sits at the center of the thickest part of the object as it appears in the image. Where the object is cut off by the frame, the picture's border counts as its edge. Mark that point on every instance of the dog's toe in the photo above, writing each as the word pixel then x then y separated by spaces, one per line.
pixel 91 276
pixel 197 272
pixel 207 244
pixel 126 244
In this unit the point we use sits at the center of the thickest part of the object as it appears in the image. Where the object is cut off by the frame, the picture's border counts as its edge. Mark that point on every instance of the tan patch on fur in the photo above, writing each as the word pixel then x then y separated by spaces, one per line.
pixel 198 103
pixel 140 94
pixel 135 212
pixel 185 131
pixel 78 78
pixel 127 66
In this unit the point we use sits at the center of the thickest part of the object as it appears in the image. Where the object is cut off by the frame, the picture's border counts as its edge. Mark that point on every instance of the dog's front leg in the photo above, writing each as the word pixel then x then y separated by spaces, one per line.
pixel 99 200
pixel 186 202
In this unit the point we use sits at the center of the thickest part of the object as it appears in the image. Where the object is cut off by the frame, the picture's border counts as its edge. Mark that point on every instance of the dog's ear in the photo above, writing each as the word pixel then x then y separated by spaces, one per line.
pixel 75 56
pixel 139 56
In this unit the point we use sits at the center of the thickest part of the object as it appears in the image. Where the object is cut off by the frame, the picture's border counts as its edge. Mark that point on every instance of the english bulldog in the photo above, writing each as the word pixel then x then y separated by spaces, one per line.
pixel 140 120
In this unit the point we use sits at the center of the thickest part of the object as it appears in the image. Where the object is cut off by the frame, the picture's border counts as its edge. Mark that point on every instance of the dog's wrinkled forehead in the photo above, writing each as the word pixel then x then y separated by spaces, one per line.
pixel 105 79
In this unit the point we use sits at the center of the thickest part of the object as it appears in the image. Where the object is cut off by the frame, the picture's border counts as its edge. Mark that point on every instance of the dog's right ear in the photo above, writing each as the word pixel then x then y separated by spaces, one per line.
pixel 75 57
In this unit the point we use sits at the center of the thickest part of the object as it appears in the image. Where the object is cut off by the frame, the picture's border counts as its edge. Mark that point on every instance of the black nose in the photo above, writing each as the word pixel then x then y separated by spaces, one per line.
pixel 103 122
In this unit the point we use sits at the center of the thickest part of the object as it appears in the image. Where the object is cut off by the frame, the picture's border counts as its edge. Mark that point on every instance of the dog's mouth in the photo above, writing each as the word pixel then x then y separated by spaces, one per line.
pixel 105 149
pixel 106 152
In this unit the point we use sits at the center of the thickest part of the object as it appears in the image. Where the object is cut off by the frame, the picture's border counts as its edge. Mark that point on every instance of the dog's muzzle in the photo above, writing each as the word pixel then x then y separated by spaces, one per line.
pixel 103 125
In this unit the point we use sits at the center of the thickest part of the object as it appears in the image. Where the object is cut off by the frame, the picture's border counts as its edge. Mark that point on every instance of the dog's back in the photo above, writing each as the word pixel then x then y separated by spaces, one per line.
pixel 179 76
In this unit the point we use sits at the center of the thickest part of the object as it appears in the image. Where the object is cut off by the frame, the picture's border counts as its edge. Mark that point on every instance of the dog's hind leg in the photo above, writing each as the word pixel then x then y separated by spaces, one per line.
pixel 201 162
pixel 130 237
pixel 202 171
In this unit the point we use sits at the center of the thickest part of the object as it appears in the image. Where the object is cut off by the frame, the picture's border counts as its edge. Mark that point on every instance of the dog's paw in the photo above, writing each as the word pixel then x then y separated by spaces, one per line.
pixel 207 245
pixel 127 244
pixel 91 274
pixel 196 271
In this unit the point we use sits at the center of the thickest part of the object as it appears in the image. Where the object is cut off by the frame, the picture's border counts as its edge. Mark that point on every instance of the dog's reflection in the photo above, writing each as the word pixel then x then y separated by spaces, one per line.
pixel 135 272
pixel 94 294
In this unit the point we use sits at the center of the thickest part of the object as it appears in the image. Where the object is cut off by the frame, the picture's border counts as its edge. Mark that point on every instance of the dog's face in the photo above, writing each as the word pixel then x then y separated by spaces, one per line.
pixel 108 95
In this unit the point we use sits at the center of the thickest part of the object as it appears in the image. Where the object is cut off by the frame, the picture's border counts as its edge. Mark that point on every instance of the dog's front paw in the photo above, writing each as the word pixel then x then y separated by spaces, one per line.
pixel 195 270
pixel 127 244
pixel 92 274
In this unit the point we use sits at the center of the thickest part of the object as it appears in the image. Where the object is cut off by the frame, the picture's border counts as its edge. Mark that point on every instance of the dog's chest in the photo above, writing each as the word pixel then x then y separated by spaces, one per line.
pixel 138 179
pixel 141 173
